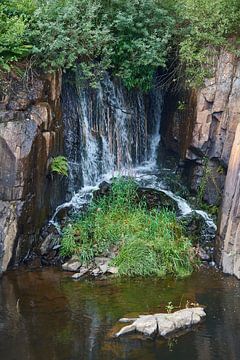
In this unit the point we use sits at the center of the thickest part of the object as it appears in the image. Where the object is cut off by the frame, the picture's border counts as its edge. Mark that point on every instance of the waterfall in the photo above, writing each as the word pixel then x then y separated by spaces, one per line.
pixel 111 130
pixel 107 129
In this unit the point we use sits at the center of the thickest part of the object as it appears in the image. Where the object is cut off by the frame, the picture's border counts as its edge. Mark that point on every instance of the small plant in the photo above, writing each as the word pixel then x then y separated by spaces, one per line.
pixel 171 343
pixel 59 165
pixel 169 307
pixel 181 106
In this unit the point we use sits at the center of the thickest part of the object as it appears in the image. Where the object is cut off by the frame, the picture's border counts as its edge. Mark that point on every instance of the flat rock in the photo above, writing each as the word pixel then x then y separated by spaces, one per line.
pixel 147 325
pixel 127 320
pixel 163 324
pixel 71 265
pixel 126 330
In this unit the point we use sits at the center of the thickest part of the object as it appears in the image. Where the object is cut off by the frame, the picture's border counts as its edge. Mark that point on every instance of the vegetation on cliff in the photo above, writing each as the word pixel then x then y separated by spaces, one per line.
pixel 149 242
pixel 130 38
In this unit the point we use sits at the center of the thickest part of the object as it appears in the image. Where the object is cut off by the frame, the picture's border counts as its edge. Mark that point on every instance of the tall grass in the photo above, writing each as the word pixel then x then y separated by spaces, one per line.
pixel 149 242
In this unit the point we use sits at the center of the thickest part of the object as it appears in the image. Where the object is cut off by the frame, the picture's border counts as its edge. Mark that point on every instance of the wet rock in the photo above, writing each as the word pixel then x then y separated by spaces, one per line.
pixel 71 265
pixel 202 254
pixel 96 272
pixel 83 271
pixel 164 324
pixel 48 244
pixel 104 189
pixel 156 199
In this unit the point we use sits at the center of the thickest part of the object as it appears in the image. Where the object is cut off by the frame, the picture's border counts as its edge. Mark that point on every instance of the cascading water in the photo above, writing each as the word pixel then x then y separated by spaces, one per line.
pixel 111 130
pixel 107 129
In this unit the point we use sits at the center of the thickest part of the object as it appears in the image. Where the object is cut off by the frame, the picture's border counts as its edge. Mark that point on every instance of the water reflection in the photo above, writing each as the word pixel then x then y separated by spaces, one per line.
pixel 45 315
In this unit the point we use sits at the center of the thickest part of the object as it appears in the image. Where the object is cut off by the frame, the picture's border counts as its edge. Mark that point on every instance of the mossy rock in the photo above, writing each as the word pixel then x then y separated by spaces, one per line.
pixel 156 199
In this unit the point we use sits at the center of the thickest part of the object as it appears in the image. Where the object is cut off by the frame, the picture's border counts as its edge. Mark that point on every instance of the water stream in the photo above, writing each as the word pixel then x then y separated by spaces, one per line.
pixel 45 315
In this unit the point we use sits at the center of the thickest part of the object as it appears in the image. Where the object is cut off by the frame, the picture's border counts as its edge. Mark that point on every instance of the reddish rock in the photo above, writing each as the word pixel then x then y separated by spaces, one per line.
pixel 30 133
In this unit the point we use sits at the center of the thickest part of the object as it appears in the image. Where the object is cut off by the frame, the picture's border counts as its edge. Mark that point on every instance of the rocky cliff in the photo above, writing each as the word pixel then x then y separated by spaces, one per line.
pixel 30 133
pixel 203 128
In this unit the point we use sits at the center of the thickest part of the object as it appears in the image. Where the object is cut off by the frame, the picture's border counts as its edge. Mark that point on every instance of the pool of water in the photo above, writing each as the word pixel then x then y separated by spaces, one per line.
pixel 46 315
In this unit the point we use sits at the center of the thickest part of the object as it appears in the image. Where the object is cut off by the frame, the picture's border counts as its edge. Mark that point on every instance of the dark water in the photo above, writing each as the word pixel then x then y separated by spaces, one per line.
pixel 46 315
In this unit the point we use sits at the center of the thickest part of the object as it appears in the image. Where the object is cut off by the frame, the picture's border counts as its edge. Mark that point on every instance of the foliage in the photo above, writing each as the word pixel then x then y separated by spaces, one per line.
pixel 150 243
pixel 64 32
pixel 59 165
pixel 169 307
pixel 130 38
pixel 206 27
pixel 14 44
pixel 142 31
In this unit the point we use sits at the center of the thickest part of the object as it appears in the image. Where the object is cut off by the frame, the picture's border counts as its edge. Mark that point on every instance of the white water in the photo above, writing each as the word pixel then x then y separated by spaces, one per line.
pixel 116 139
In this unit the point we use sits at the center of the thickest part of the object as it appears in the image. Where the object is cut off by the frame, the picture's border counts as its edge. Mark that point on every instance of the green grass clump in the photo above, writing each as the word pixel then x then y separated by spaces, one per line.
pixel 149 242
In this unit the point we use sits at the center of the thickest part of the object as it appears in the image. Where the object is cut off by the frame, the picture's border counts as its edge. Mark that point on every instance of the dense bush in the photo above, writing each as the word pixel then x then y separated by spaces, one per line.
pixel 14 22
pixel 150 243
pixel 130 38
pixel 207 26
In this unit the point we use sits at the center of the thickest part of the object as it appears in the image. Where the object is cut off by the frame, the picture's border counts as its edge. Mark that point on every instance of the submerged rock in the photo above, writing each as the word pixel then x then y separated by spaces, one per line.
pixel 163 324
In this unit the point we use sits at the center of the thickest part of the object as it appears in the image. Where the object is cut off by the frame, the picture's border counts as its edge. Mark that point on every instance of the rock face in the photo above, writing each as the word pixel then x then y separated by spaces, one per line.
pixel 30 133
pixel 205 133
pixel 203 130
pixel 229 228
pixel 164 324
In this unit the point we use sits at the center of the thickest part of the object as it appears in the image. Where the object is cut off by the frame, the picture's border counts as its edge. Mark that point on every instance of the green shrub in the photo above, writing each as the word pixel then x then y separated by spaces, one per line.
pixel 149 242
pixel 206 27
pixel 132 39
pixel 14 21
pixel 59 165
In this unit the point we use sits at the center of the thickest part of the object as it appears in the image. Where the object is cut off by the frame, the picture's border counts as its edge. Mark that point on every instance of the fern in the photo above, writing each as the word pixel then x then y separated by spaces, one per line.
pixel 59 165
